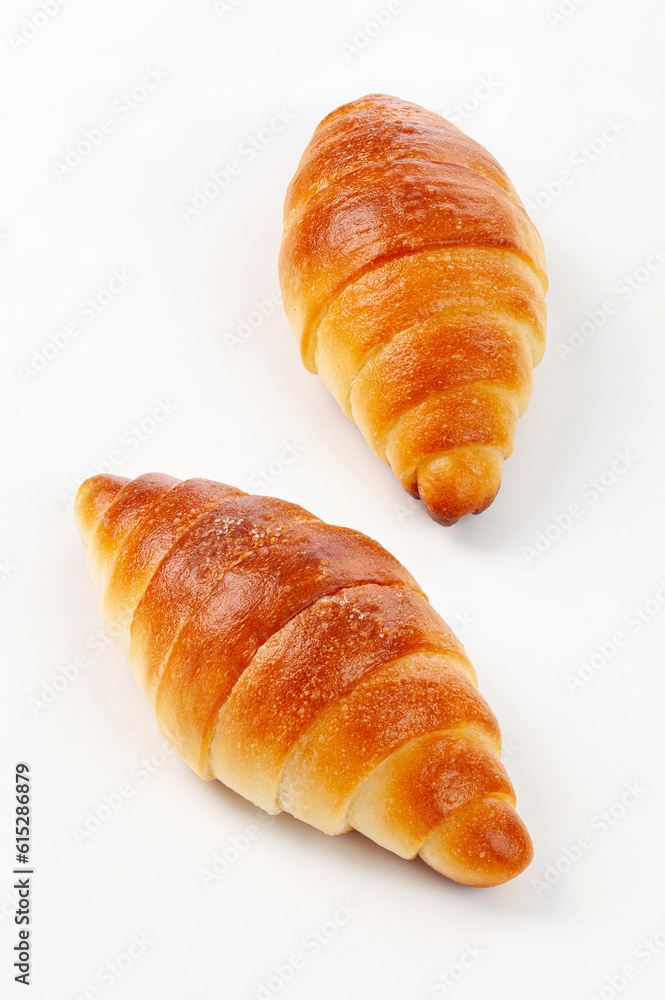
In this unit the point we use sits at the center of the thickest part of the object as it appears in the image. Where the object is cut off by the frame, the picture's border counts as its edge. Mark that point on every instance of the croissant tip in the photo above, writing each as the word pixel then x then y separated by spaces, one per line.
pixel 464 480
pixel 484 844
pixel 92 498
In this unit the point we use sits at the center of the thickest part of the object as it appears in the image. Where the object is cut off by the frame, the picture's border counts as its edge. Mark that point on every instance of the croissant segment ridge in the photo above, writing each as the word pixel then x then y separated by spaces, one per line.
pixel 415 284
pixel 300 664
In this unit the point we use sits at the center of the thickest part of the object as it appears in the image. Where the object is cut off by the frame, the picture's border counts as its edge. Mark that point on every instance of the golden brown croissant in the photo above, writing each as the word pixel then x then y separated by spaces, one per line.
pixel 301 664
pixel 415 284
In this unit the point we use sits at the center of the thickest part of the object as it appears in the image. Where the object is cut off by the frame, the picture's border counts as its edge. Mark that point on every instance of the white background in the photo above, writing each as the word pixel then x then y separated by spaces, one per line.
pixel 530 599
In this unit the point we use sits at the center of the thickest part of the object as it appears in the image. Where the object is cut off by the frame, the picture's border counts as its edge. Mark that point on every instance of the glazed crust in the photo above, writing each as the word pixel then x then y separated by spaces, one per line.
pixel 301 664
pixel 398 227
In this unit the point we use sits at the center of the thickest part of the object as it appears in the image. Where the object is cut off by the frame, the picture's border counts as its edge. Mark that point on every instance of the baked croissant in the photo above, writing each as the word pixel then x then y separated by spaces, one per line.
pixel 415 284
pixel 301 664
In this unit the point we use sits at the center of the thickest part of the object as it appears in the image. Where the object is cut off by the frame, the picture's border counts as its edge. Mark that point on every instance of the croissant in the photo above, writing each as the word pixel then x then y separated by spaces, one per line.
pixel 301 664
pixel 415 284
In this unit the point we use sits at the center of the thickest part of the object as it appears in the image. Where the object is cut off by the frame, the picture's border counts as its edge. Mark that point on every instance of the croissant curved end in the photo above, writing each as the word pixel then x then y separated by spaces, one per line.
pixel 464 480
pixel 482 844
pixel 92 499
